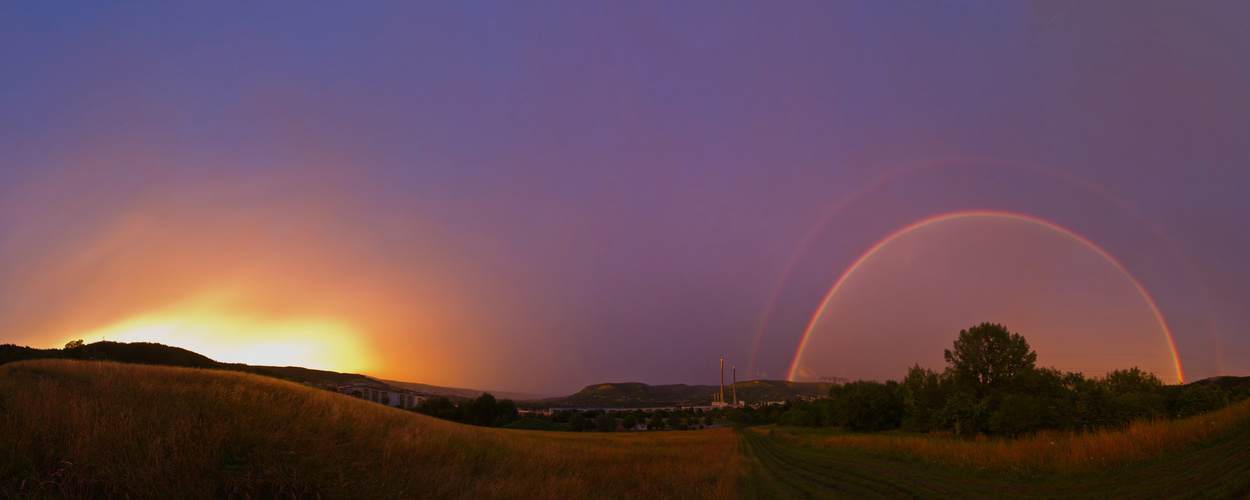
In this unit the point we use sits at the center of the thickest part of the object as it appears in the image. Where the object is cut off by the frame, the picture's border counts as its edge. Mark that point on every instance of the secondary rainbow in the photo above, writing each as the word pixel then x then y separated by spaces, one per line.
pixel 794 365
pixel 944 163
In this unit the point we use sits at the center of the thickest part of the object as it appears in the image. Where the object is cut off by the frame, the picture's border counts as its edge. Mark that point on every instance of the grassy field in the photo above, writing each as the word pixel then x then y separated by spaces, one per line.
pixel 1207 456
pixel 98 429
pixel 780 469
pixel 1046 452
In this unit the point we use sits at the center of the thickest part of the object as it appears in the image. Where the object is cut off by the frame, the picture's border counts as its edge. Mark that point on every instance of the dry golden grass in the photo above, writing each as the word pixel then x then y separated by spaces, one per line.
pixel 1046 452
pixel 74 428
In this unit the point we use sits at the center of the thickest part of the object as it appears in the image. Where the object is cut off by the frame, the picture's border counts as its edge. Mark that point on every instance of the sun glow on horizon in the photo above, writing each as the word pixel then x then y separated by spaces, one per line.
pixel 231 336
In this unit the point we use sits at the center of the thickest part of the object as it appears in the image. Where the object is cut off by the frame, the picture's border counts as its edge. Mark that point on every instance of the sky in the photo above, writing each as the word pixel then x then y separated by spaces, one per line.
pixel 535 197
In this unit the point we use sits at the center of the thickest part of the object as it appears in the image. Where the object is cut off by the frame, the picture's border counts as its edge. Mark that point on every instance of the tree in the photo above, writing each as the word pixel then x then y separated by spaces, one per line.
pixel 74 344
pixel 657 420
pixel 923 395
pixel 605 423
pixel 482 411
pixel 577 422
pixel 987 357
pixel 507 411
pixel 440 407
pixel 1121 382
pixel 1198 398
pixel 631 421
pixel 867 405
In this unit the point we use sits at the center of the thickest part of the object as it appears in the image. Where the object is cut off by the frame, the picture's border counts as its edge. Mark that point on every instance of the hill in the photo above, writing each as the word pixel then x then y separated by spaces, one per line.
pixel 639 395
pixel 454 392
pixel 80 429
pixel 149 353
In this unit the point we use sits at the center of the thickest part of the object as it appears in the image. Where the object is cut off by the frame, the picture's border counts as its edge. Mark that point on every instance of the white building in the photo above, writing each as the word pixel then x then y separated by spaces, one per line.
pixel 390 396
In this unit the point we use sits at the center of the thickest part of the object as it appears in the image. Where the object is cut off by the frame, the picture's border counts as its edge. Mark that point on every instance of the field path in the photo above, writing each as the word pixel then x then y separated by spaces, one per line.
pixel 1220 469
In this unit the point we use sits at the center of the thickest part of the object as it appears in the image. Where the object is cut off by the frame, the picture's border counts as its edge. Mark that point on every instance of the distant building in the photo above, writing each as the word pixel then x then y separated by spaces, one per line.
pixel 390 396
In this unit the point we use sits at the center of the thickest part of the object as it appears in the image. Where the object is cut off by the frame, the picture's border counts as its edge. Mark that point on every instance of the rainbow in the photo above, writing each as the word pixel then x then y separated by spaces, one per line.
pixel 794 365
pixel 866 189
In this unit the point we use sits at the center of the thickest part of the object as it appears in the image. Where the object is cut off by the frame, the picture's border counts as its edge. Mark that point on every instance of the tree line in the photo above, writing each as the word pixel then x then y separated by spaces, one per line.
pixel 991 384
pixel 486 411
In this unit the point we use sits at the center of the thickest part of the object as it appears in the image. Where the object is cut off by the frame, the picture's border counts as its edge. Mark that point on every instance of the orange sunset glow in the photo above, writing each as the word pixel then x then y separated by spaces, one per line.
pixel 210 326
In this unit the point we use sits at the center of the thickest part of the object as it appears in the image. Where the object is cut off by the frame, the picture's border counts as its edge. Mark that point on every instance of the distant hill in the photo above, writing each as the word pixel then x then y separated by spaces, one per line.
pixel 637 395
pixel 1225 382
pixel 456 392
pixel 136 352
pixel 10 353
pixel 147 353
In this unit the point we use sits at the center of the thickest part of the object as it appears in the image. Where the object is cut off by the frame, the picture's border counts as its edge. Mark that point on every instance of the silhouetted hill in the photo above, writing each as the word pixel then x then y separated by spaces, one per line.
pixel 613 395
pixel 148 353
pixel 454 392
pixel 10 353
pixel 1225 382
pixel 301 374
pixel 636 394
pixel 137 352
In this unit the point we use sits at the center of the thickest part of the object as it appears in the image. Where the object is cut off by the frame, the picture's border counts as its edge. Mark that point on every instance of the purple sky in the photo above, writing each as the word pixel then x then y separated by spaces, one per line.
pixel 526 198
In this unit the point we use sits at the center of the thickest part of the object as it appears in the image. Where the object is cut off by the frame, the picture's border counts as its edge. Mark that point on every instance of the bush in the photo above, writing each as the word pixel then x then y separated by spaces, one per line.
pixel 605 423
pixel 1198 398
pixel 867 406
pixel 1017 414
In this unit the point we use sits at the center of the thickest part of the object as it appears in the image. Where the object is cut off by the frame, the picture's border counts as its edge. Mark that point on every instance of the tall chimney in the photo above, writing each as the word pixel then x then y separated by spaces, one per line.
pixel 735 386
pixel 722 380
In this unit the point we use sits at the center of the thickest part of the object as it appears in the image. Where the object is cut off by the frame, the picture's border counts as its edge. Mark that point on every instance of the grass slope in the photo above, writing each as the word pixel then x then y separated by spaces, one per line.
pixel 101 429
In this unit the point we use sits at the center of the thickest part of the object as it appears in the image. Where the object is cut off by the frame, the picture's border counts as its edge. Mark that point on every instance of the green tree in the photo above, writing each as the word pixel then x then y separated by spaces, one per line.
pixel 923 395
pixel 481 411
pixel 867 405
pixel 439 407
pixel 1018 414
pixel 657 420
pixel 506 411
pixel 1198 398
pixel 76 349
pixel 577 422
pixel 800 416
pixel 631 421
pixel 1121 382
pixel 987 358
pixel 605 422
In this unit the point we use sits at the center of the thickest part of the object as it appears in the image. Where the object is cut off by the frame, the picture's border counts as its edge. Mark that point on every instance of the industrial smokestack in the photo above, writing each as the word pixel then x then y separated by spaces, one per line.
pixel 722 380
pixel 735 386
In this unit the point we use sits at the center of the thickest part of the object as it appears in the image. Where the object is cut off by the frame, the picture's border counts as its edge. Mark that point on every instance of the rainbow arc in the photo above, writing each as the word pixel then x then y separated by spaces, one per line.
pixel 794 365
